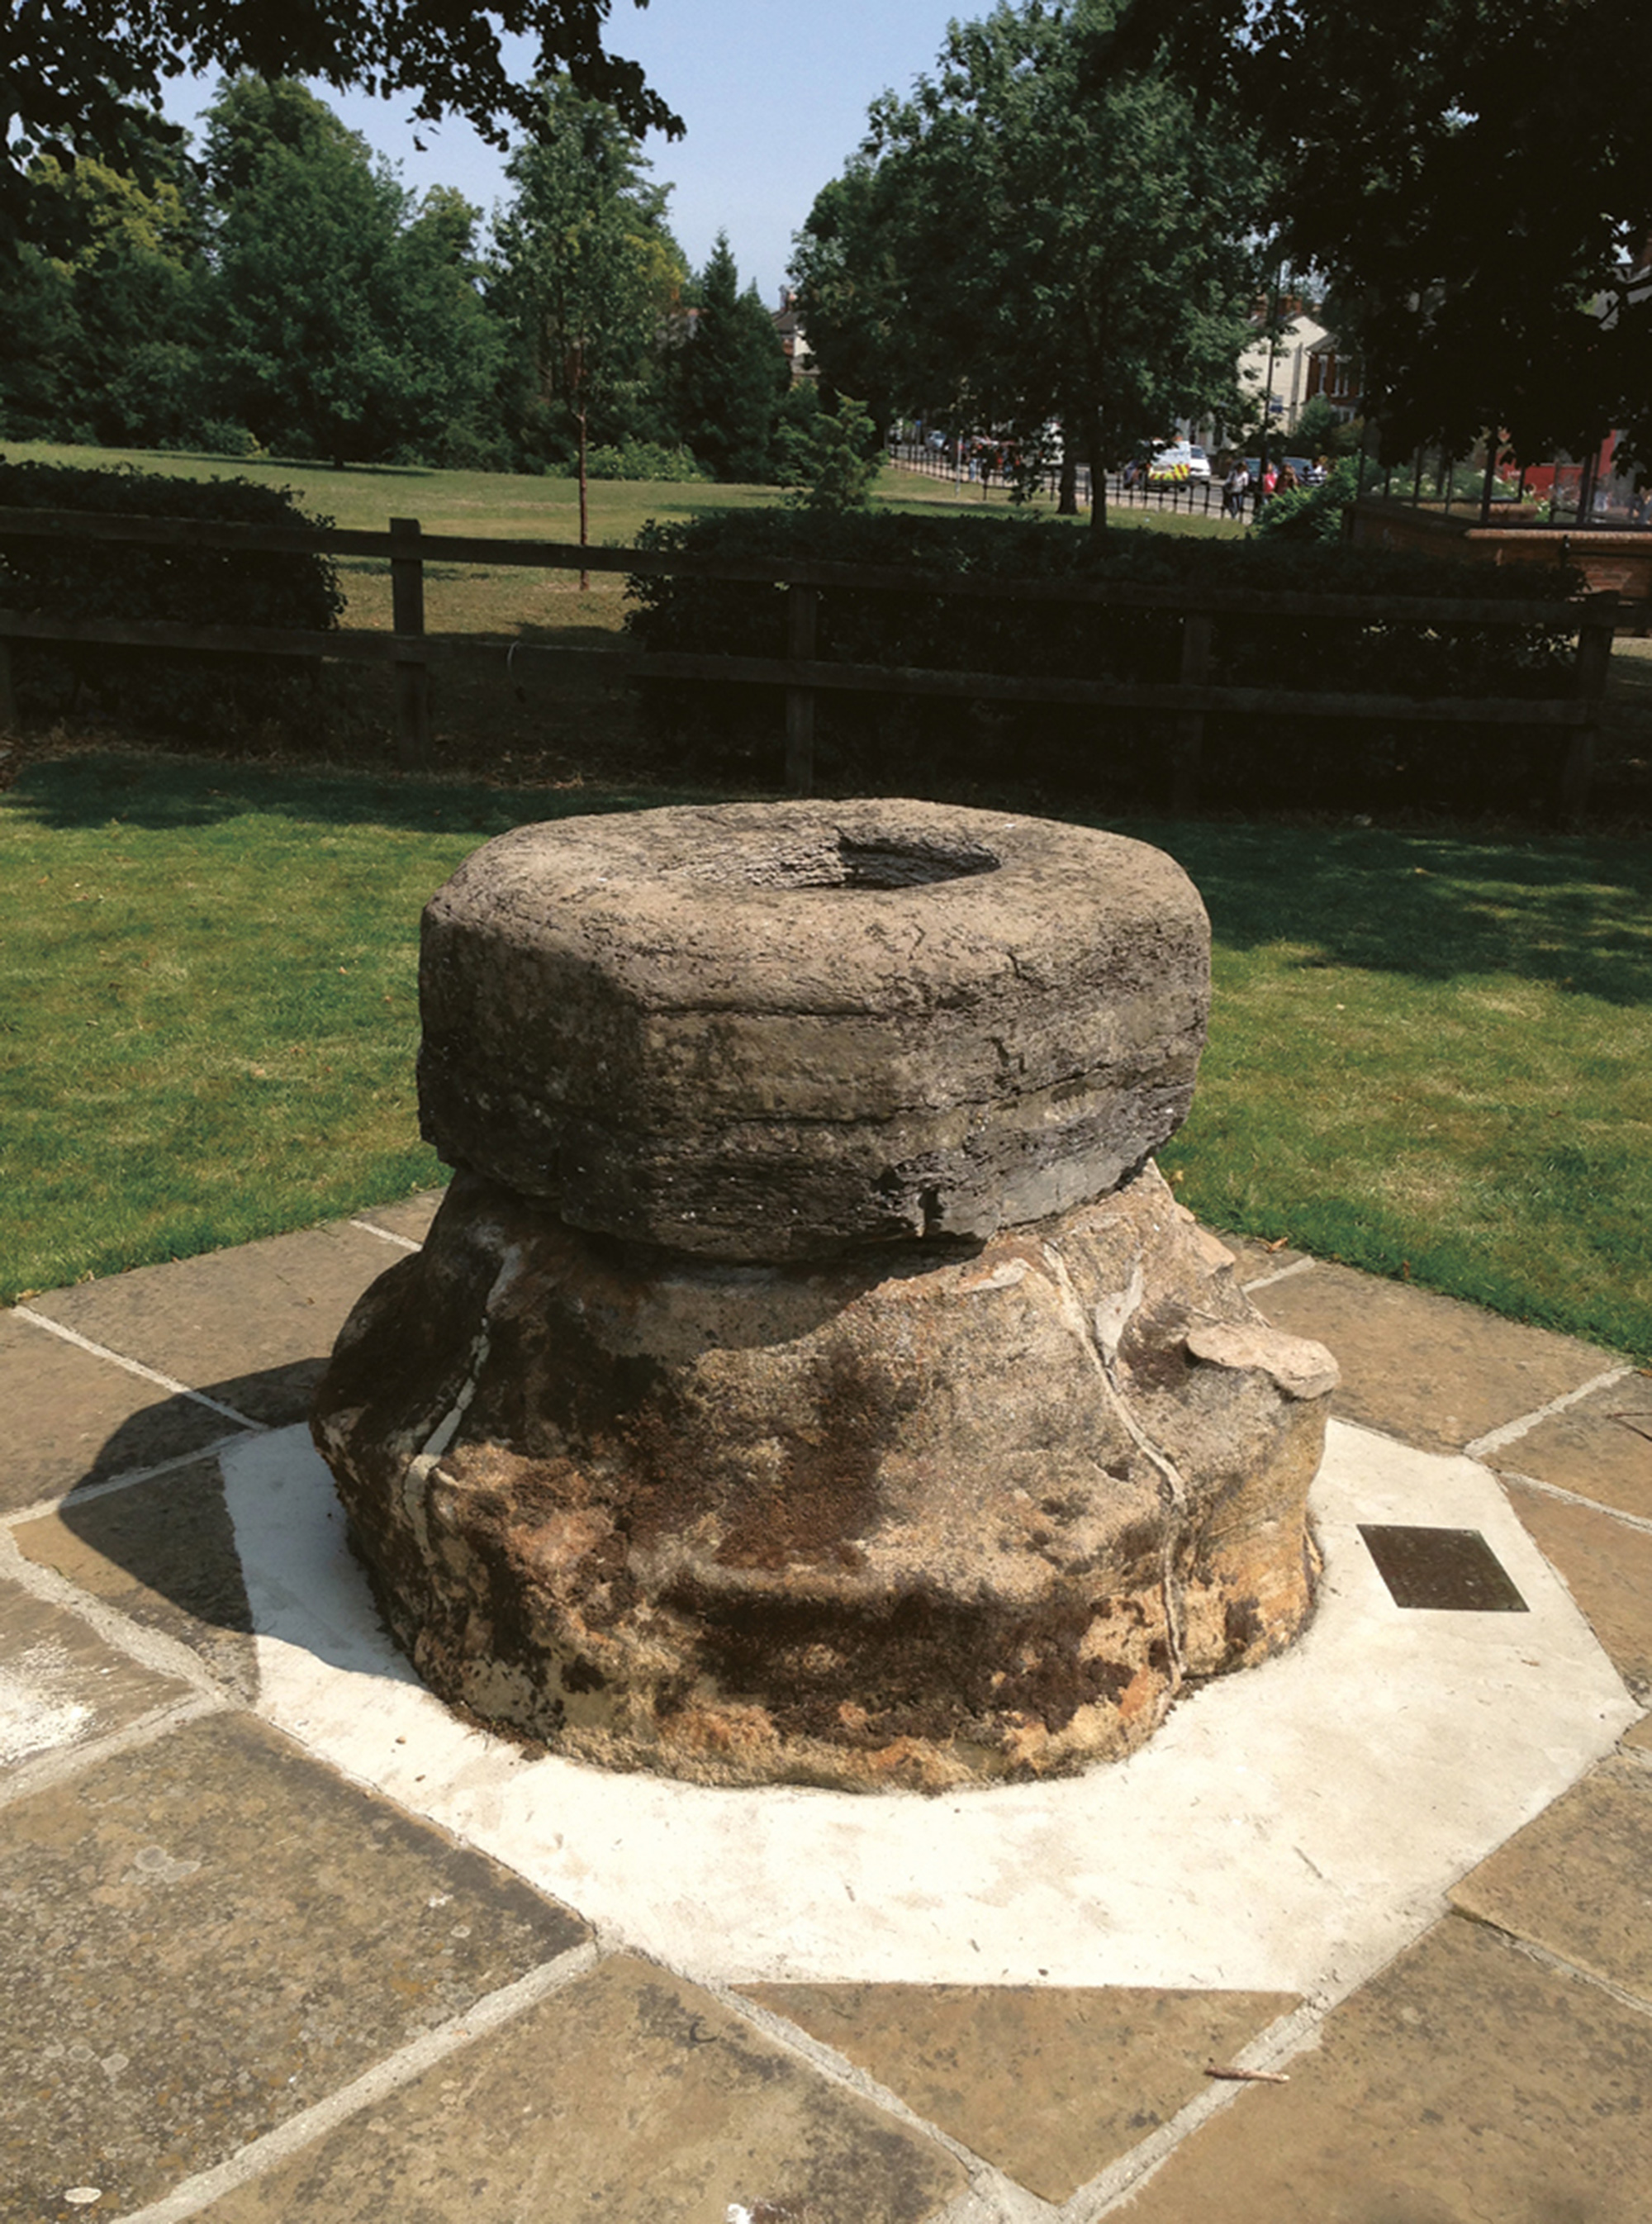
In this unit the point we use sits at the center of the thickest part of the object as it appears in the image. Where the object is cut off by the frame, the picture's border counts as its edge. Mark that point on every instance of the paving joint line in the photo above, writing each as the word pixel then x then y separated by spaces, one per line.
pixel 1016 2204
pixel 386 1235
pixel 133 1365
pixel 1510 1432
pixel 1575 1498
pixel 1547 1958
pixel 1282 1274
pixel 86 1492
pixel 46 1770
pixel 1288 2035
pixel 492 2011
pixel 150 1648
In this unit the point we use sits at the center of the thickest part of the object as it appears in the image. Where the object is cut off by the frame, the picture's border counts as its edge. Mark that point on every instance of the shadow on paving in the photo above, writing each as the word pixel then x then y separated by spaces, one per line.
pixel 164 1550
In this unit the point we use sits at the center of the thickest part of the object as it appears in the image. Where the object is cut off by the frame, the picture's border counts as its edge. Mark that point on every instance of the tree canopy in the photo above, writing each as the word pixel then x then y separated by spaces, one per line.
pixel 731 372
pixel 1474 179
pixel 1001 249
pixel 84 76
pixel 587 277
pixel 338 318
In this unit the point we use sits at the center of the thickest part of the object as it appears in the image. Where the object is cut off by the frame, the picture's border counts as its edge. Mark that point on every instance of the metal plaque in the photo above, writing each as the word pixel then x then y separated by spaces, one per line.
pixel 1453 1571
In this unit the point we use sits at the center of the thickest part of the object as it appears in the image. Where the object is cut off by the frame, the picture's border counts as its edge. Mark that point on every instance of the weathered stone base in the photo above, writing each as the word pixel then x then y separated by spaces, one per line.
pixel 917 1519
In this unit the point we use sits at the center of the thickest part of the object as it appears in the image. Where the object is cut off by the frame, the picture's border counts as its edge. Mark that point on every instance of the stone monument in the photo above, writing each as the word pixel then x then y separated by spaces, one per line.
pixel 808 1376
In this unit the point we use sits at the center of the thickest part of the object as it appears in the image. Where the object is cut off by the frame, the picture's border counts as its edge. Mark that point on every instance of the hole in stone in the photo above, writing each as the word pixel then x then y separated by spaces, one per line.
pixel 849 864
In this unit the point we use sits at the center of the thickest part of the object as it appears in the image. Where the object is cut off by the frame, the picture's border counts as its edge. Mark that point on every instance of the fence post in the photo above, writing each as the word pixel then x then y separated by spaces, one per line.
pixel 1595 628
pixel 802 614
pixel 1189 745
pixel 407 621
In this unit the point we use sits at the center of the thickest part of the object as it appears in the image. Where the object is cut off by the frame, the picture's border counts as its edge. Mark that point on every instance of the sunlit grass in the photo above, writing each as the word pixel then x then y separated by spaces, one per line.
pixel 1429 1057
pixel 1427 1054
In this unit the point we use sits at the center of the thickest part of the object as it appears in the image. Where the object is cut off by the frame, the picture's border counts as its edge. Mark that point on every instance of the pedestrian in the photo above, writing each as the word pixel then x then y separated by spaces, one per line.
pixel 1235 487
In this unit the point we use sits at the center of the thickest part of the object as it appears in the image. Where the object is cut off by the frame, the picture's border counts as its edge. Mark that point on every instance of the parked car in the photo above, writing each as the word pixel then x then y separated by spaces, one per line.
pixel 1178 459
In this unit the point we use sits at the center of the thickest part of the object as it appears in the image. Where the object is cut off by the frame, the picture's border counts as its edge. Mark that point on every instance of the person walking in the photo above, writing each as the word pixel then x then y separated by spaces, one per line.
pixel 1235 487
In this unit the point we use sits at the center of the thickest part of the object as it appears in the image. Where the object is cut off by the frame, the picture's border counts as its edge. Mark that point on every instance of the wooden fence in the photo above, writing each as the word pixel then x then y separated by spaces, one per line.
pixel 802 672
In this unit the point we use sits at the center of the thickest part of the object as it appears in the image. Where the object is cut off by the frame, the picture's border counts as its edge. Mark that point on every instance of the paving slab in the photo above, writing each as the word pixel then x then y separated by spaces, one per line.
pixel 1049 2083
pixel 1601 1448
pixel 61 1686
pixel 1425 1368
pixel 212 1931
pixel 1575 1881
pixel 73 1419
pixel 1466 2085
pixel 252 1327
pixel 164 1552
pixel 631 2097
pixel 409 1217
pixel 1607 1567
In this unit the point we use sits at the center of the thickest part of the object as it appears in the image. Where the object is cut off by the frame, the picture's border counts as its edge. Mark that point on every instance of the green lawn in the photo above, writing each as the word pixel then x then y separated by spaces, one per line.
pixel 1427 1054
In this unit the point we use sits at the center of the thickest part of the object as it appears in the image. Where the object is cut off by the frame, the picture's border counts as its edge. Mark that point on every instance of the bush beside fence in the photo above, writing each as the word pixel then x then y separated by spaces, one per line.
pixel 183 582
pixel 1264 756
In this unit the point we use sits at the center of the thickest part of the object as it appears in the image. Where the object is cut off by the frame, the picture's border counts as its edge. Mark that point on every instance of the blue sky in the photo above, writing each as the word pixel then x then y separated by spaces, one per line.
pixel 774 94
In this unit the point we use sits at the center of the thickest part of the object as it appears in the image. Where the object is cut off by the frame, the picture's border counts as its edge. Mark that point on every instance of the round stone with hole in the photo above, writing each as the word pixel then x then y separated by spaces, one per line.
pixel 774 1032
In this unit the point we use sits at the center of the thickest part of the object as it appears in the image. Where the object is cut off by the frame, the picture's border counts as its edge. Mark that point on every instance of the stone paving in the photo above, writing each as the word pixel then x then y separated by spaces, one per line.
pixel 242 1986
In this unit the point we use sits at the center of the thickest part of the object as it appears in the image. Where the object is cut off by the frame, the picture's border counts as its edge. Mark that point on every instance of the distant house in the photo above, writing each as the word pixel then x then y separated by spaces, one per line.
pixel 794 345
pixel 1336 377
pixel 1287 371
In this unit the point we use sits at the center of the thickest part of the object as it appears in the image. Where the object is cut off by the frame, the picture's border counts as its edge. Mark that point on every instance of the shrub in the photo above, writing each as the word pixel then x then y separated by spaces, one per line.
pixel 1117 756
pixel 159 691
pixel 642 459
pixel 834 461
pixel 1314 513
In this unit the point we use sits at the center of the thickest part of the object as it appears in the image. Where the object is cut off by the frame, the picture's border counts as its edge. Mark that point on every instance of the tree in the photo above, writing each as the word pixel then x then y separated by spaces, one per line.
pixel 84 76
pixel 849 295
pixel 1033 259
pixel 97 343
pixel 339 320
pixel 829 454
pixel 731 374
pixel 1472 179
pixel 587 277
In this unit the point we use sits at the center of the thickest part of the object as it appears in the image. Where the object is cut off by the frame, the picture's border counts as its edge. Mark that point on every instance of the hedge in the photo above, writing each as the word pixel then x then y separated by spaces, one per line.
pixel 182 697
pixel 1117 756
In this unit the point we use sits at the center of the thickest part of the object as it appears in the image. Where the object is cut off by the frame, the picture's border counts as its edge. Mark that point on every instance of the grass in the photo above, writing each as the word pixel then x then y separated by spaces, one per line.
pixel 1428 1057
pixel 1427 1054
pixel 210 1015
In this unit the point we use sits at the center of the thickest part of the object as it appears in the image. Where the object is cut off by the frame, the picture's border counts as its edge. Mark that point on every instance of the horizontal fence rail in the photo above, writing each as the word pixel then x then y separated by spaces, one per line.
pixel 802 672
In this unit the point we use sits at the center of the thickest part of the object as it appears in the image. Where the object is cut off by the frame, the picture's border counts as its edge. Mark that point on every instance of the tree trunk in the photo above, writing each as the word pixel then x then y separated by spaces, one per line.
pixel 1067 492
pixel 581 415
pixel 1098 473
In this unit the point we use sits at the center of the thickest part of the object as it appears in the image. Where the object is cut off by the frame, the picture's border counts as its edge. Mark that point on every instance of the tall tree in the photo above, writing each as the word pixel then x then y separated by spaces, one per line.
pixel 1026 257
pixel 1473 177
pixel 84 76
pixel 97 343
pixel 732 374
pixel 589 277
pixel 850 296
pixel 340 320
